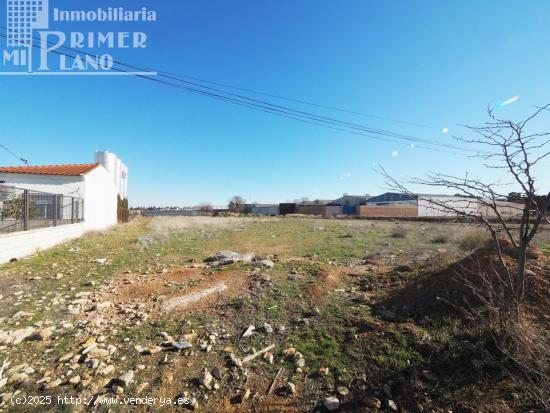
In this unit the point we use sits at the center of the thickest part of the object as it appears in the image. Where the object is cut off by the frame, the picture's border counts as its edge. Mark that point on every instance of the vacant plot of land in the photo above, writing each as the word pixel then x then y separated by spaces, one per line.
pixel 298 324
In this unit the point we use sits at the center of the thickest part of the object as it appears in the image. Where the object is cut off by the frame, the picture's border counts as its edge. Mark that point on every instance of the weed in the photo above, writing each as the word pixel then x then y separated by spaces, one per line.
pixel 472 238
pixel 399 232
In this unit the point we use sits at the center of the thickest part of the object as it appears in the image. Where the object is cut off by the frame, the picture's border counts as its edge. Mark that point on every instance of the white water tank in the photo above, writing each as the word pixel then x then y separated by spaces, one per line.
pixel 108 160
pixel 117 169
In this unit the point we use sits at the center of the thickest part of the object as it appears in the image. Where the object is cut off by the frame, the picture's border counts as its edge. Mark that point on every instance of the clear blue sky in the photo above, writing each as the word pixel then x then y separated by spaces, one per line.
pixel 438 63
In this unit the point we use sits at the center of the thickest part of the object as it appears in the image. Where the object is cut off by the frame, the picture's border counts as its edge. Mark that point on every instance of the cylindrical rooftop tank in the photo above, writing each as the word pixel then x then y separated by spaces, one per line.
pixel 107 160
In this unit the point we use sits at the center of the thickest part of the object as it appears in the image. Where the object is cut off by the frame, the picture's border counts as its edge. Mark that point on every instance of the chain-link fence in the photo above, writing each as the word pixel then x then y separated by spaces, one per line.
pixel 23 209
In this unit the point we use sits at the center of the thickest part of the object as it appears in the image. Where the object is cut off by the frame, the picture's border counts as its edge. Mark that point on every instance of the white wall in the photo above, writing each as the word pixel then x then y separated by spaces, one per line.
pixel 100 199
pixel 54 184
pixel 97 188
pixel 431 209
pixel 23 243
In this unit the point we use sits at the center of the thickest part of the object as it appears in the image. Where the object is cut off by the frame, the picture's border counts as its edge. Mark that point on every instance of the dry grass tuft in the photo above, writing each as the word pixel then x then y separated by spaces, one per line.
pixel 440 238
pixel 399 232
pixel 472 238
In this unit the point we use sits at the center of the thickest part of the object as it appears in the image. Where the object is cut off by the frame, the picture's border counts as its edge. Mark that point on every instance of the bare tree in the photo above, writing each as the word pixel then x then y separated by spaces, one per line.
pixel 507 146
pixel 236 204
pixel 205 207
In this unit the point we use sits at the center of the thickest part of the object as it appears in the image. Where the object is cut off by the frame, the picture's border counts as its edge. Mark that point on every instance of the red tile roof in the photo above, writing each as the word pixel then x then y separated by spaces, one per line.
pixel 64 170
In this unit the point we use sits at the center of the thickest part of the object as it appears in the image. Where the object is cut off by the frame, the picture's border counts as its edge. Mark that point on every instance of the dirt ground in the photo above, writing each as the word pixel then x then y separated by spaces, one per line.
pixel 137 312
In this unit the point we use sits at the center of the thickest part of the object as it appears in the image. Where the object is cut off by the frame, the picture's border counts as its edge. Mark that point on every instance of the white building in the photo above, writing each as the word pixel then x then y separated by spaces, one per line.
pixel 446 205
pixel 99 184
pixel 264 209
pixel 451 206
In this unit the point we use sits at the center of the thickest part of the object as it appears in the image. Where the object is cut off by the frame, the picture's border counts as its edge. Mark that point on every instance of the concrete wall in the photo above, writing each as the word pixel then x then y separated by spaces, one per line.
pixel 505 209
pixel 264 209
pixel 318 210
pixel 402 210
pixel 469 206
pixel 23 243
pixel 436 206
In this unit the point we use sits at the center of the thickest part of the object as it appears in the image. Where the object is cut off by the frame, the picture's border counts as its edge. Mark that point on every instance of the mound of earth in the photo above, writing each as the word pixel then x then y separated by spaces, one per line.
pixel 448 291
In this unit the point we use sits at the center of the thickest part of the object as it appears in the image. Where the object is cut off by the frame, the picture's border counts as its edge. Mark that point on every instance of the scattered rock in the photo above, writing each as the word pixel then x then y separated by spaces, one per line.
pixel 74 380
pixel 181 345
pixel 53 384
pixel 288 388
pixel 167 378
pixel 217 373
pixel 228 257
pixel 107 370
pixel 245 396
pixel 249 331
pixel 342 391
pixel 45 333
pixel 289 351
pixel 269 357
pixel 264 264
pixel 235 361
pixel 66 357
pixel 141 387
pixel 331 403
pixel 15 337
pixel 392 406
pixel 18 378
pixel 89 348
pixel 205 378
pixel 126 378
pixel 267 328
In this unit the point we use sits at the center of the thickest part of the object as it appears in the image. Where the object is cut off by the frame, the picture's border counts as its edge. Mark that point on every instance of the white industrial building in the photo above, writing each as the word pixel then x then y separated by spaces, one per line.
pixel 99 184
pixel 431 205
pixel 264 209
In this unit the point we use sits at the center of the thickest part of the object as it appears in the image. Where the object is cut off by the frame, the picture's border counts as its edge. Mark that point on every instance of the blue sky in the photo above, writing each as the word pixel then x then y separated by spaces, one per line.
pixel 438 63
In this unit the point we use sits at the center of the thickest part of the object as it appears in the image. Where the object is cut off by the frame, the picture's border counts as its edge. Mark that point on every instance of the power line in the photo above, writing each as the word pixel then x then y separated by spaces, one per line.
pixel 305 102
pixel 279 110
pixel 301 101
pixel 25 161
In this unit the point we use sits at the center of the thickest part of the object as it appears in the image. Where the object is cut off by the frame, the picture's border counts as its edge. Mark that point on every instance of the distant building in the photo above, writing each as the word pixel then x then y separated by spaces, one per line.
pixel 287 208
pixel 318 207
pixel 392 204
pixel 264 209
pixel 42 206
pixel 351 200
pixel 99 184
pixel 392 198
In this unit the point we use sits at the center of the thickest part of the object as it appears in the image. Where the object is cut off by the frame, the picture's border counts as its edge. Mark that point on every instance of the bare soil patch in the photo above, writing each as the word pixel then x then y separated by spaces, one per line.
pixel 157 289
pixel 446 291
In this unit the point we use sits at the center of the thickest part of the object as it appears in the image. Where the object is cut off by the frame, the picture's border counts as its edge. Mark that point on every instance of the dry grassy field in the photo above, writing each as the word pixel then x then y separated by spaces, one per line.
pixel 356 314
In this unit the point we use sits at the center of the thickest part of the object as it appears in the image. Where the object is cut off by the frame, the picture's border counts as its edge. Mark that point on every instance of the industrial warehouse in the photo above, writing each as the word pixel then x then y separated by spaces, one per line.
pixel 386 205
